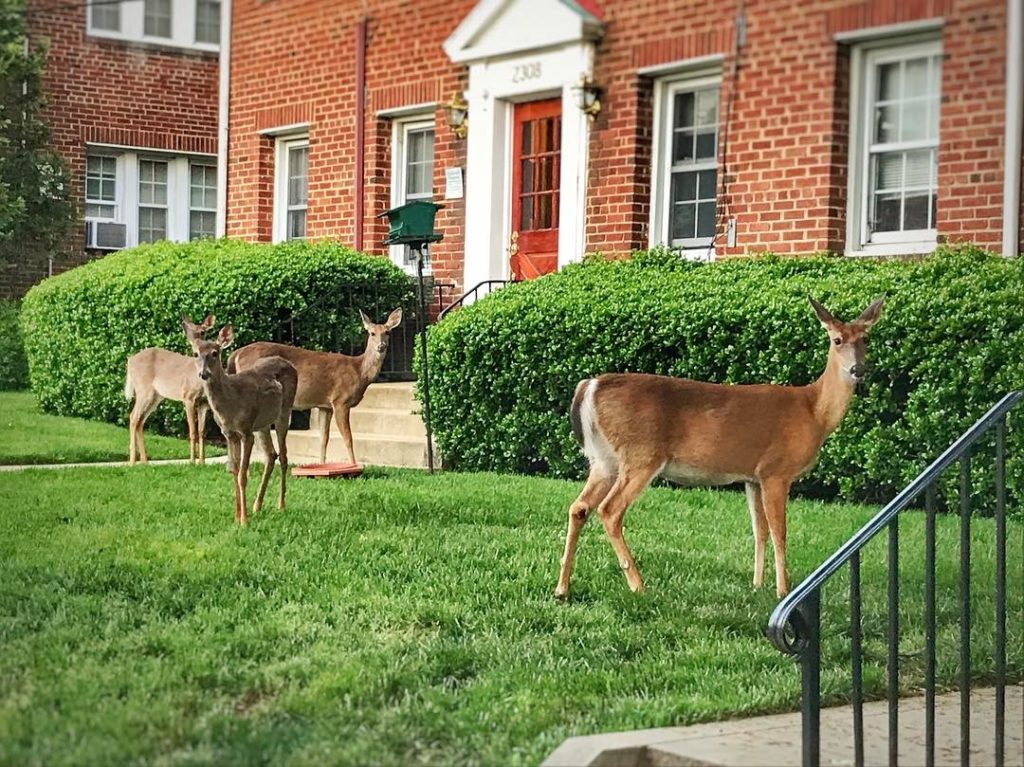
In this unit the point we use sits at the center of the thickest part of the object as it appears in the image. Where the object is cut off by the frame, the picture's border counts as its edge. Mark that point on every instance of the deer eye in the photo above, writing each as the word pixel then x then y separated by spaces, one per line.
pixel 838 341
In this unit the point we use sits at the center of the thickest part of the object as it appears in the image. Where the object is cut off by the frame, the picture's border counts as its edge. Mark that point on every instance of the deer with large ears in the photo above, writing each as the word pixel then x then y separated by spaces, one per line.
pixel 245 406
pixel 634 427
pixel 331 382
pixel 153 375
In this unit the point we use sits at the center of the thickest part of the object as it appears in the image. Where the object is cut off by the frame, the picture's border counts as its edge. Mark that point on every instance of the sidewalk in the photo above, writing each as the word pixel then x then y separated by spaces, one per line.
pixel 115 464
pixel 774 741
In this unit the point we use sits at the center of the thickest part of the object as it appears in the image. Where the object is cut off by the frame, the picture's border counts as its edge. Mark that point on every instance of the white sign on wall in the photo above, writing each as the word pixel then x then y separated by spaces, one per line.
pixel 453 183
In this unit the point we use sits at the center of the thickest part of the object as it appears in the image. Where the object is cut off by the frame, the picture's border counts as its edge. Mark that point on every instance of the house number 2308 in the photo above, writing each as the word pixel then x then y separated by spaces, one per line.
pixel 523 72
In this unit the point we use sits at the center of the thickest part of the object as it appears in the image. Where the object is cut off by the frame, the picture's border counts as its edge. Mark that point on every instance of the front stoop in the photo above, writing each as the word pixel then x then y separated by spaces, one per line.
pixel 387 430
pixel 774 741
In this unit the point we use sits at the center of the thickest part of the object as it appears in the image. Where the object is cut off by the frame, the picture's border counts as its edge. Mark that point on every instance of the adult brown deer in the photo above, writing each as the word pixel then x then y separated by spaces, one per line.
pixel 245 406
pixel 634 427
pixel 330 382
pixel 156 374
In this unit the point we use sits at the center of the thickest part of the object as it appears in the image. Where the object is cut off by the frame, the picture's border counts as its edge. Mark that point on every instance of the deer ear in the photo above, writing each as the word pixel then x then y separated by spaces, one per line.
pixel 188 326
pixel 394 319
pixel 367 322
pixel 872 314
pixel 226 337
pixel 824 315
pixel 208 322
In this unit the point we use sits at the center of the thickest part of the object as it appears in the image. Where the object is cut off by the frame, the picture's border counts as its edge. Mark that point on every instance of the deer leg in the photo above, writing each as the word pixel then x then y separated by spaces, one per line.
pixel 760 527
pixel 145 404
pixel 628 486
pixel 190 419
pixel 202 411
pixel 341 417
pixel 242 478
pixel 267 445
pixel 597 487
pixel 232 465
pixel 282 453
pixel 774 494
pixel 325 431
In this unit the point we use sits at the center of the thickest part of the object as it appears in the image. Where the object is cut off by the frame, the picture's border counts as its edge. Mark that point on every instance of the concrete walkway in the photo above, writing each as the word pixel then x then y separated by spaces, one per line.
pixel 115 464
pixel 774 741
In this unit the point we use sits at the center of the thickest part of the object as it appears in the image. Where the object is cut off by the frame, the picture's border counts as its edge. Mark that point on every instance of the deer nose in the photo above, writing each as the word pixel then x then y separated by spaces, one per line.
pixel 858 371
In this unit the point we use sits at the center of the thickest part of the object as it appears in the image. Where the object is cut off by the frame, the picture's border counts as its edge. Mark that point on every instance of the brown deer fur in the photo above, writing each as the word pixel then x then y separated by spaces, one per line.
pixel 330 382
pixel 156 374
pixel 634 427
pixel 245 406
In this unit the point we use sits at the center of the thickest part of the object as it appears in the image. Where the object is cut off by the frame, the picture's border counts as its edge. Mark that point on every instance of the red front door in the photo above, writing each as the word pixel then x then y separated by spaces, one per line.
pixel 536 155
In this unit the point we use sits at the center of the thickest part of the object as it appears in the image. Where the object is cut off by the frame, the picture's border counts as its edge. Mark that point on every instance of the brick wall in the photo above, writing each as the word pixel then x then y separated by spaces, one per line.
pixel 105 91
pixel 785 179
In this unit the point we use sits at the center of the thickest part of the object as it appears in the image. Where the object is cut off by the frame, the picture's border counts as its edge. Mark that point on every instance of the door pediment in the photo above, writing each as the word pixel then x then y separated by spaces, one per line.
pixel 497 28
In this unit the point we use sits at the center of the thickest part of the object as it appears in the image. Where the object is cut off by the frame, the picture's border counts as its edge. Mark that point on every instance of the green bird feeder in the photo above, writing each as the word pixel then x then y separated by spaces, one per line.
pixel 412 224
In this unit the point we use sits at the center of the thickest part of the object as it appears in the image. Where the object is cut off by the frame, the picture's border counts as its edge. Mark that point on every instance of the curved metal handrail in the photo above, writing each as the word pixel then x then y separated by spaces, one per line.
pixel 785 616
pixel 473 291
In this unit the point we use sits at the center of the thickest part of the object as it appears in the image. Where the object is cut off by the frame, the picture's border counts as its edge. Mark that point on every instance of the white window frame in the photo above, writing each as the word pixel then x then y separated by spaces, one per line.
pixel 118 187
pixel 665 91
pixel 166 206
pixel 284 144
pixel 864 61
pixel 127 188
pixel 400 130
pixel 198 209
pixel 132 28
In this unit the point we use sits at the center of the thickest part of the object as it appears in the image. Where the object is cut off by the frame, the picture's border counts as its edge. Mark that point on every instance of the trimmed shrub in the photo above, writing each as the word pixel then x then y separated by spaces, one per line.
pixel 504 369
pixel 13 365
pixel 81 326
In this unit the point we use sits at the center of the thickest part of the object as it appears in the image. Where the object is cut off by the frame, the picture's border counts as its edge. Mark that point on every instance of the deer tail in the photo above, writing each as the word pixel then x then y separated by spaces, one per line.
pixel 129 388
pixel 574 412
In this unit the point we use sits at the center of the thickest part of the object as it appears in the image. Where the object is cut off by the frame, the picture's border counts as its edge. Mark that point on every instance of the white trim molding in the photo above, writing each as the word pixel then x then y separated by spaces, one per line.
pixel 881 35
pixel 1014 126
pixel 223 117
pixel 282 155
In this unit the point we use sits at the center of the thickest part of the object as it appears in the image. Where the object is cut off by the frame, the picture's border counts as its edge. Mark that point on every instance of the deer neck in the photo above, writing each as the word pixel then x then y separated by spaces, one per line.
pixel 832 394
pixel 216 386
pixel 370 362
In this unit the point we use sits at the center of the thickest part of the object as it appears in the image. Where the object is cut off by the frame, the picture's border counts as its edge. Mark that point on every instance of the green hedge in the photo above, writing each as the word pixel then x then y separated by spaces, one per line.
pixel 948 345
pixel 81 326
pixel 13 365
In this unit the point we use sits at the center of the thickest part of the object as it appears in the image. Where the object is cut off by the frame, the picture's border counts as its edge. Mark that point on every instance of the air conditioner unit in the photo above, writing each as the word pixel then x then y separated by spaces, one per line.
pixel 104 235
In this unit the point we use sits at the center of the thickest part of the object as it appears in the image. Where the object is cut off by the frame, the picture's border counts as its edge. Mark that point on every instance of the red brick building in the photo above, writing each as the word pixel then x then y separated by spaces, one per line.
pixel 855 126
pixel 132 104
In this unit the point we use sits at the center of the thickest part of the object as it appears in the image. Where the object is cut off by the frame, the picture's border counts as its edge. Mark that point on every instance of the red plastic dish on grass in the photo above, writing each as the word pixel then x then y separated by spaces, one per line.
pixel 328 470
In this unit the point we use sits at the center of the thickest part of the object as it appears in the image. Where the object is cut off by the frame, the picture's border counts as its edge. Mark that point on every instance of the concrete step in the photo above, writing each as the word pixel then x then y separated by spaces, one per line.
pixel 371 449
pixel 385 422
pixel 396 396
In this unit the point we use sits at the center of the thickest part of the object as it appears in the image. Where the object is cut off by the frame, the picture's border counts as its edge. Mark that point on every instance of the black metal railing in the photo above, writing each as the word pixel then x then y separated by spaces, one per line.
pixel 794 627
pixel 331 323
pixel 479 290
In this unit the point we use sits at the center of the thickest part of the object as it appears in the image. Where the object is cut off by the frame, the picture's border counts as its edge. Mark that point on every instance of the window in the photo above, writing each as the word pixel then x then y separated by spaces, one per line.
pixel 179 23
pixel 157 18
pixel 202 222
pixel 412 172
pixel 894 152
pixel 208 21
pixel 686 164
pixel 100 187
pixel 105 15
pixel 292 188
pixel 152 200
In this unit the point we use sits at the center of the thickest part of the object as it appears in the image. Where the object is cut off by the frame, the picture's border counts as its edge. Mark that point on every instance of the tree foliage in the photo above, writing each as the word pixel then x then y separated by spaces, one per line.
pixel 36 211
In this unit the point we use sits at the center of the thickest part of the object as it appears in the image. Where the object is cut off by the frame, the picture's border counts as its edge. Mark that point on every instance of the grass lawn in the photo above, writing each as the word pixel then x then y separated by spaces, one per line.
pixel 402 618
pixel 34 437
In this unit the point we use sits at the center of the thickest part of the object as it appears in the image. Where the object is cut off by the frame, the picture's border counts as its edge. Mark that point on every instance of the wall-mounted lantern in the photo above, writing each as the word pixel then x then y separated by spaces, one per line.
pixel 456 113
pixel 588 97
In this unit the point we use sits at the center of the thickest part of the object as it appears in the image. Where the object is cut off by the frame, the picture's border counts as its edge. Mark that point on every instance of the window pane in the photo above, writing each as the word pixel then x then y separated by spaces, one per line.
pixel 296 224
pixel 544 211
pixel 889 81
pixel 705 146
pixel 706 185
pixel 298 158
pixel 101 180
pixel 526 213
pixel 419 164
pixel 526 167
pixel 889 174
pixel 684 110
pixel 152 182
pixel 915 82
pixel 887 125
pixel 706 219
pixel 707 106
pixel 918 172
pixel 915 120
pixel 915 211
pixel 208 21
pixel 157 18
pixel 684 187
pixel 99 211
pixel 152 224
pixel 106 15
pixel 887 212
pixel 527 143
pixel 682 146
pixel 202 224
pixel 92 188
pixel 683 221
pixel 203 187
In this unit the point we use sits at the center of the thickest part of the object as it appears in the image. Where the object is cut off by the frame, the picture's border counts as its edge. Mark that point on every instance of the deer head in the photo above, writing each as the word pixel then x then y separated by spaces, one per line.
pixel 196 331
pixel 379 335
pixel 848 339
pixel 207 353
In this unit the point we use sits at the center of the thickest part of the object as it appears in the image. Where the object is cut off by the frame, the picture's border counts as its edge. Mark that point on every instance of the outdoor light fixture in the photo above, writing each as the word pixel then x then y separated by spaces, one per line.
pixel 588 97
pixel 456 113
